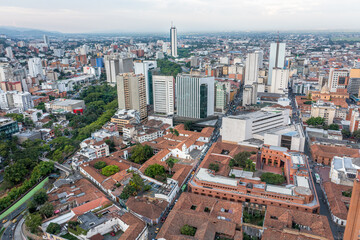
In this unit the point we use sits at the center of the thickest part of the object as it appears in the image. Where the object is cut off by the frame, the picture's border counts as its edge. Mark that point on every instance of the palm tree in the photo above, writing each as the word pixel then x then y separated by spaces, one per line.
pixel 170 162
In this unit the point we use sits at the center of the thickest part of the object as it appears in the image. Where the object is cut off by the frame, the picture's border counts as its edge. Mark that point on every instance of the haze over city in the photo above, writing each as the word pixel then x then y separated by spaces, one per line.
pixel 188 15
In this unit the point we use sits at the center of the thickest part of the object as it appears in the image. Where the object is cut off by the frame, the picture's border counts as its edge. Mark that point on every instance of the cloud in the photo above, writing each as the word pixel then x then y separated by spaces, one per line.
pixel 188 15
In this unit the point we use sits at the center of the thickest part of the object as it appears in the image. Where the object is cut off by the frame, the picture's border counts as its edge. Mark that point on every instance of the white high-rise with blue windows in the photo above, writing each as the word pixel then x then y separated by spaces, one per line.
pixel 194 96
pixel 276 59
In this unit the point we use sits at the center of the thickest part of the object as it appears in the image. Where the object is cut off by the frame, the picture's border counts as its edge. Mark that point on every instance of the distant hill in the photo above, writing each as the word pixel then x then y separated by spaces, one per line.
pixel 17 32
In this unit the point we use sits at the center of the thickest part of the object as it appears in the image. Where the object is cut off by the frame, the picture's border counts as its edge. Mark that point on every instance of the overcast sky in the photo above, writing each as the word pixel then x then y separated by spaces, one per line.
pixel 73 16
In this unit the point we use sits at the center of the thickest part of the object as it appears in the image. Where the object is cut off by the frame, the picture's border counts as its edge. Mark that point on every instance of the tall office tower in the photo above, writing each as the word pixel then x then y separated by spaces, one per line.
pixel 173 41
pixel 35 67
pixel 338 78
pixel 6 72
pixel 279 81
pixel 250 94
pixel 145 68
pixel 131 92
pixel 9 52
pixel 253 63
pixel 164 94
pixel 46 40
pixel 221 96
pixel 114 65
pixel 352 229
pixel 194 96
pixel 276 59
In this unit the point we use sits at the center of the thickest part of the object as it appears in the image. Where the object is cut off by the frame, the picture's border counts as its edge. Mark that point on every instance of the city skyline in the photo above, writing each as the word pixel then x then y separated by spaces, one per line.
pixel 188 16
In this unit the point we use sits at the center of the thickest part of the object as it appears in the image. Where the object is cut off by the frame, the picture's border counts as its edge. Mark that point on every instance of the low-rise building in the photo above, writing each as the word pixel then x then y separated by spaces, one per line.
pixel 123 117
pixel 8 127
pixel 65 105
pixel 324 154
pixel 343 170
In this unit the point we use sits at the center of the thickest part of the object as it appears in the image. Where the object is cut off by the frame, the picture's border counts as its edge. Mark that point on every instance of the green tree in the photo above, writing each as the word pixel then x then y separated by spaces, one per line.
pixel 33 221
pixel 334 126
pixel 188 125
pixel 100 164
pixel 213 166
pixel 15 173
pixel 32 206
pixel 176 132
pixel 47 210
pixel 40 197
pixel 110 170
pixel 155 170
pixel 171 130
pixel 239 160
pixel 272 178
pixel 356 135
pixel 111 145
pixel 140 154
pixel 188 230
pixel 170 163
pixel 315 121
pixel 16 117
pixel 53 228
pixel 41 106
pixel 346 133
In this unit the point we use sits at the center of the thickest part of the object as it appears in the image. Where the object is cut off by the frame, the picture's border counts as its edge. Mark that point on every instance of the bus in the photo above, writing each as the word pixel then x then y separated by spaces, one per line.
pixel 317 177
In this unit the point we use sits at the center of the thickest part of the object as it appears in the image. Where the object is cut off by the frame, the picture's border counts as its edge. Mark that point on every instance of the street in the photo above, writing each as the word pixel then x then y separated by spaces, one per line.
pixel 337 230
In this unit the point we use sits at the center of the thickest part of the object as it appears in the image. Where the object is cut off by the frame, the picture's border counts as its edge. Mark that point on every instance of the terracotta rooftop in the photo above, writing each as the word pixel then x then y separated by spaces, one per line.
pixel 99 202
pixel 332 151
pixel 202 212
pixel 281 220
pixel 336 200
pixel 151 209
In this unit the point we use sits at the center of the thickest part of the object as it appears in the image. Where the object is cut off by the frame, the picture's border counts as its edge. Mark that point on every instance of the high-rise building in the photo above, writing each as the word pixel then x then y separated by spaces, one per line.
pixel 115 64
pixel 253 63
pixel 15 99
pixel 9 52
pixel 46 40
pixel 164 94
pixel 324 110
pixel 276 59
pixel 145 68
pixel 131 92
pixel 338 78
pixel 221 96
pixel 279 81
pixel 194 96
pixel 173 41
pixel 249 94
pixel 35 67
pixel 352 229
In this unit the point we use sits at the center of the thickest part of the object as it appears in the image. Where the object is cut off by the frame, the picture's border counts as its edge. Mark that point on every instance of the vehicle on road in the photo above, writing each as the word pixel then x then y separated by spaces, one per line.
pixel 14 221
pixel 4 221
pixel 317 177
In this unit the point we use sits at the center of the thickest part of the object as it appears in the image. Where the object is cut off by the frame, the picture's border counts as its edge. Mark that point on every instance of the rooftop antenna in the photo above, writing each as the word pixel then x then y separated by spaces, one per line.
pixel 278 37
pixel 172 24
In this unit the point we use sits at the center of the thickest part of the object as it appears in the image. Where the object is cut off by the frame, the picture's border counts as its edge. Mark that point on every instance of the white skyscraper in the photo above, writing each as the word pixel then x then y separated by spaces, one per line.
pixel 163 89
pixel 173 41
pixel 253 63
pixel 144 68
pixel 279 81
pixel 276 59
pixel 194 96
pixel 9 52
pixel 35 67
pixel 114 65
pixel 46 40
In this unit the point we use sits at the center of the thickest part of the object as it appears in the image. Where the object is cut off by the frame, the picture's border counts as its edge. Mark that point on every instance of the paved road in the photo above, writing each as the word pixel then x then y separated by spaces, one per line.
pixel 18 231
pixel 337 230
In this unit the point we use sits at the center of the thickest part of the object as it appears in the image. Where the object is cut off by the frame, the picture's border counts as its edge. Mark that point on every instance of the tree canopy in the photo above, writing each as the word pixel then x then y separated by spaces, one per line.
pixel 140 154
pixel 110 170
pixel 168 67
pixel 53 228
pixel 188 230
pixel 272 178
pixel 315 121
pixel 100 165
pixel 155 170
